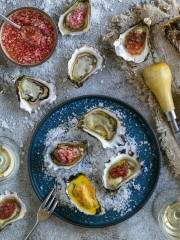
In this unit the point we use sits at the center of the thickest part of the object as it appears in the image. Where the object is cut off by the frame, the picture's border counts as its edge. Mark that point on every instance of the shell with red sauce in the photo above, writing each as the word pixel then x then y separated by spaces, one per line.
pixel 76 20
pixel 133 45
pixel 11 209
pixel 120 170
pixel 67 154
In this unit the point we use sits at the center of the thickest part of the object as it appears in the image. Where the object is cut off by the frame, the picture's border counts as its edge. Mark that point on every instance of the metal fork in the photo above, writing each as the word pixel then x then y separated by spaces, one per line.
pixel 46 209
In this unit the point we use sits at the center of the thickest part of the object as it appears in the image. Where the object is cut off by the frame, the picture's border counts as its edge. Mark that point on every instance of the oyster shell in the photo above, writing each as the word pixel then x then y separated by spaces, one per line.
pixel 133 45
pixel 172 32
pixel 120 170
pixel 11 209
pixel 67 154
pixel 84 62
pixel 83 194
pixel 76 20
pixel 103 125
pixel 33 93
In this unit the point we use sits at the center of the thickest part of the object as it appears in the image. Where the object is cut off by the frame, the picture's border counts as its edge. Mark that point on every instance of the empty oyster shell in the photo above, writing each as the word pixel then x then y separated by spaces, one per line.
pixel 11 209
pixel 84 62
pixel 172 32
pixel 33 93
pixel 76 20
pixel 104 125
pixel 83 194
pixel 133 45
pixel 120 170
pixel 67 154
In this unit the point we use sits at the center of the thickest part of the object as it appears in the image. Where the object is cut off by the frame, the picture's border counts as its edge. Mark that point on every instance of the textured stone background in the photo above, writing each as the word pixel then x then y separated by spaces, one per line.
pixel 19 125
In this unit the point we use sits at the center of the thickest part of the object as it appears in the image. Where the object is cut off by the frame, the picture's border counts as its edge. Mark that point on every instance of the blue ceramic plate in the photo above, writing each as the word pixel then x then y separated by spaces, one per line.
pixel 136 127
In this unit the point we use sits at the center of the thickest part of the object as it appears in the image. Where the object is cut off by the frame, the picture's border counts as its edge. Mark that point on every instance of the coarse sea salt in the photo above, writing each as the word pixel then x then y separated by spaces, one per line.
pixel 92 165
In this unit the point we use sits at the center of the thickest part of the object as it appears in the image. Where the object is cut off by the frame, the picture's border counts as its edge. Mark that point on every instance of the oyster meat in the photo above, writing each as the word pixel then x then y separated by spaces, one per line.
pixel 172 32
pixel 133 45
pixel 33 93
pixel 67 154
pixel 104 125
pixel 83 194
pixel 120 170
pixel 76 20
pixel 84 62
pixel 11 209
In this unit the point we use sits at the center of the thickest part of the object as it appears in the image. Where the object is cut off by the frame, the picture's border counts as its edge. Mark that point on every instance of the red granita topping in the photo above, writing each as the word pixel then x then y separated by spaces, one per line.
pixel 7 209
pixel 119 170
pixel 33 35
pixel 67 155
pixel 77 18
pixel 34 42
pixel 135 42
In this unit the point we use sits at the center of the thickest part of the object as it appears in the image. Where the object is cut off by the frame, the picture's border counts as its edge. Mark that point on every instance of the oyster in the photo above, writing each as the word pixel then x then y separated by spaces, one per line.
pixel 104 125
pixel 172 32
pixel 11 209
pixel 120 170
pixel 33 93
pixel 133 45
pixel 83 195
pixel 67 154
pixel 84 62
pixel 76 20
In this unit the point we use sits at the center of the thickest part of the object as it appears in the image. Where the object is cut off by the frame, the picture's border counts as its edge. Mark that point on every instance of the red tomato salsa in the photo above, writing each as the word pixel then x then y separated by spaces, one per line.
pixel 119 170
pixel 7 209
pixel 34 42
pixel 67 155
pixel 135 41
pixel 77 18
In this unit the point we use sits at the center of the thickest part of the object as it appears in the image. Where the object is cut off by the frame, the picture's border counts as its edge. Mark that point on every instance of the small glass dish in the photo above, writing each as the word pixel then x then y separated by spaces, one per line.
pixel 166 211
pixel 9 158
pixel 47 19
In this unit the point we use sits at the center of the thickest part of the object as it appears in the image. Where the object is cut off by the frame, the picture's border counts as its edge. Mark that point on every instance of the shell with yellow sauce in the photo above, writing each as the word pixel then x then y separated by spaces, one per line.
pixel 83 194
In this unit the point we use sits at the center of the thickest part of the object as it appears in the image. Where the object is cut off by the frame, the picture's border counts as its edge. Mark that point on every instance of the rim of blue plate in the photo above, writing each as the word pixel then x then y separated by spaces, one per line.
pixel 38 125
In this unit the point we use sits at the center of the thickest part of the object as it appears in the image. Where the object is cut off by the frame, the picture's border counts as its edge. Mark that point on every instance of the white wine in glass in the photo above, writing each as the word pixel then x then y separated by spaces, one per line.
pixel 167 211
pixel 169 218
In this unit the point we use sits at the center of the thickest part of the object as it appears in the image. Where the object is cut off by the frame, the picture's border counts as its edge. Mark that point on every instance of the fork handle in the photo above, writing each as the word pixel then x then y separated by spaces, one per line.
pixel 32 230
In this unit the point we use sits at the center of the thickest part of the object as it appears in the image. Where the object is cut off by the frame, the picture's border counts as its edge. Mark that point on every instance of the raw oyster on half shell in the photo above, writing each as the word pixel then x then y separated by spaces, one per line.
pixel 172 32
pixel 84 62
pixel 103 125
pixel 83 194
pixel 67 154
pixel 11 209
pixel 120 170
pixel 76 20
pixel 33 93
pixel 133 45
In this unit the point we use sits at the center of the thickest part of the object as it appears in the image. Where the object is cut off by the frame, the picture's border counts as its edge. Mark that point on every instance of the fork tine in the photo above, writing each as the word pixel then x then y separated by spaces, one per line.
pixel 53 207
pixel 48 197
pixel 50 203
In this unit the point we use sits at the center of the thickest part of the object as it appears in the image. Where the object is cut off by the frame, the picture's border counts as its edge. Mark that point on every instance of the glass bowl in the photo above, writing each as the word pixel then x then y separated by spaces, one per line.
pixel 50 20
pixel 9 146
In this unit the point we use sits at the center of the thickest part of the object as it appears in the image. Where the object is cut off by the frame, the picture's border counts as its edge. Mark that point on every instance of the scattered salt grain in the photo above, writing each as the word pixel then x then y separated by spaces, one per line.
pixel 92 165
